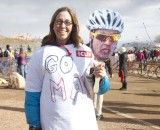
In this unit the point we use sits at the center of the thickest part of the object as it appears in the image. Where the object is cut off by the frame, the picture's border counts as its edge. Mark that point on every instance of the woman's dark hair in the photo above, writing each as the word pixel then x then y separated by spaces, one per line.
pixel 50 39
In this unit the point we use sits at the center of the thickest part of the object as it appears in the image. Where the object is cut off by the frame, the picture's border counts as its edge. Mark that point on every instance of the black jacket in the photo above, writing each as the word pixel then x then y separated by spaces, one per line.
pixel 123 62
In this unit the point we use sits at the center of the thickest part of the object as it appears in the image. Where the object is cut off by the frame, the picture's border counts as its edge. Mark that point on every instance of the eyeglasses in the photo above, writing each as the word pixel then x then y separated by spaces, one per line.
pixel 104 37
pixel 60 22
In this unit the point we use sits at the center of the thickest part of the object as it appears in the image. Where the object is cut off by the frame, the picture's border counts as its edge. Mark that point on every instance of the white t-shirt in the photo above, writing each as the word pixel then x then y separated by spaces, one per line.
pixel 65 102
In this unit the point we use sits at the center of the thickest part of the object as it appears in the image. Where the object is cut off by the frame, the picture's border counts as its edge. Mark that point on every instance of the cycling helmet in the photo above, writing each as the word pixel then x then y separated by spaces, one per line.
pixel 105 19
pixel 122 50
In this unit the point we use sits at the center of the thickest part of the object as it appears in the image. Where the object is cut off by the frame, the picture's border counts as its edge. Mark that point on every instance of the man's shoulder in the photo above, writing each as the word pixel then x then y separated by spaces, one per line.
pixel 85 47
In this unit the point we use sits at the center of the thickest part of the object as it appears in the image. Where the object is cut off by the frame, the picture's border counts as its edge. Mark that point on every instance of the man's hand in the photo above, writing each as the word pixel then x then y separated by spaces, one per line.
pixel 99 70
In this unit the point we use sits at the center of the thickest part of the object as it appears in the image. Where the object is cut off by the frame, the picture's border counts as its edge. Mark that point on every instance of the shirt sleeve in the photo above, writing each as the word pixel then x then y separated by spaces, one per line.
pixel 32 108
pixel 34 77
pixel 34 82
pixel 104 85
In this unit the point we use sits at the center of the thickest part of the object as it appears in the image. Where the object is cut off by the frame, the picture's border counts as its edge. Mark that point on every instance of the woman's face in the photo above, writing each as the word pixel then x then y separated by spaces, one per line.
pixel 103 45
pixel 63 27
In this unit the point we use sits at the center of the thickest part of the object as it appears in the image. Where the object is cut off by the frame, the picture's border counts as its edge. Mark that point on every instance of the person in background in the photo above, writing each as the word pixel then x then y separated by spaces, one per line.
pixel 105 27
pixel 29 49
pixel 58 93
pixel 146 57
pixel 1 52
pixel 8 52
pixel 123 57
pixel 141 58
pixel 152 54
pixel 16 53
pixel 21 61
pixel 108 67
pixel 9 58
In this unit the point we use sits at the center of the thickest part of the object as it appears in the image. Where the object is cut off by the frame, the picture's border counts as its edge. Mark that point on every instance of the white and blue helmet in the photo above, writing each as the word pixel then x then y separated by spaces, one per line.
pixel 105 19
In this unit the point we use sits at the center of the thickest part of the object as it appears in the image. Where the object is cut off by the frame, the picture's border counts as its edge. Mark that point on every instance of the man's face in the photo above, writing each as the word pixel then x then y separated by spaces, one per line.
pixel 104 43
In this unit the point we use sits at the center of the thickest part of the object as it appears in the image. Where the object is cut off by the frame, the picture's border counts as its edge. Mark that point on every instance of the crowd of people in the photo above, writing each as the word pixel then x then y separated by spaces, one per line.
pixel 18 56
pixel 145 54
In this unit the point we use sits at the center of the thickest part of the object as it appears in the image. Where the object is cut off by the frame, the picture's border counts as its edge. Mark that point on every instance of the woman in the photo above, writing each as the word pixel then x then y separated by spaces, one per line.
pixel 58 91
pixel 22 61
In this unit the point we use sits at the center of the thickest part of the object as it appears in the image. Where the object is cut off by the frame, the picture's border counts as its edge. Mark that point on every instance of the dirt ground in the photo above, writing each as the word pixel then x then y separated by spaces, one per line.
pixel 138 108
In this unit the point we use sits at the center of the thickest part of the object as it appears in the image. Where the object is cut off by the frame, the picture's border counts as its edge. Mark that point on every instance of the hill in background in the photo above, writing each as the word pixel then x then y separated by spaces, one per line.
pixel 16 42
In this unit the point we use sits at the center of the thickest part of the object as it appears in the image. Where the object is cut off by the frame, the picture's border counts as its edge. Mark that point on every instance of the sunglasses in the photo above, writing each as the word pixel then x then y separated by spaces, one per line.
pixel 60 22
pixel 104 37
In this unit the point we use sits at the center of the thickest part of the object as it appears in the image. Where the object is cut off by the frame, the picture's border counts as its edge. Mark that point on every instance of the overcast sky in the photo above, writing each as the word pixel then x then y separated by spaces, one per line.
pixel 33 16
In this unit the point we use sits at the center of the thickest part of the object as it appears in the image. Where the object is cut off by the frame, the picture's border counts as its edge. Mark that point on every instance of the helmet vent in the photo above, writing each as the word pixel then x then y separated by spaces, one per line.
pixel 109 18
pixel 103 20
pixel 114 21
pixel 97 20
pixel 118 24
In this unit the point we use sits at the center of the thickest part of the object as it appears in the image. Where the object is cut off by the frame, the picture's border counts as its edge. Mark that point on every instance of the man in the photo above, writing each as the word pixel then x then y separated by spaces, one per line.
pixel 123 57
pixel 8 52
pixel 105 28
pixel 108 67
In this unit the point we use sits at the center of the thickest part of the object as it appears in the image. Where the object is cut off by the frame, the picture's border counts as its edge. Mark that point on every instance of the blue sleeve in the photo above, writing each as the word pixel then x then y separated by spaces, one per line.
pixel 32 108
pixel 104 86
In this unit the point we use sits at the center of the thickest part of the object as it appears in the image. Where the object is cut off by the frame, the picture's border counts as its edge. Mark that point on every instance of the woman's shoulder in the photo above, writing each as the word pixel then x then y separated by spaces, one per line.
pixel 38 52
pixel 47 47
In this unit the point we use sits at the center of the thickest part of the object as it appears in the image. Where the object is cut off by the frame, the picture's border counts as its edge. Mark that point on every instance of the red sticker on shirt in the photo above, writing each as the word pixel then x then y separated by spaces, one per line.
pixel 84 54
